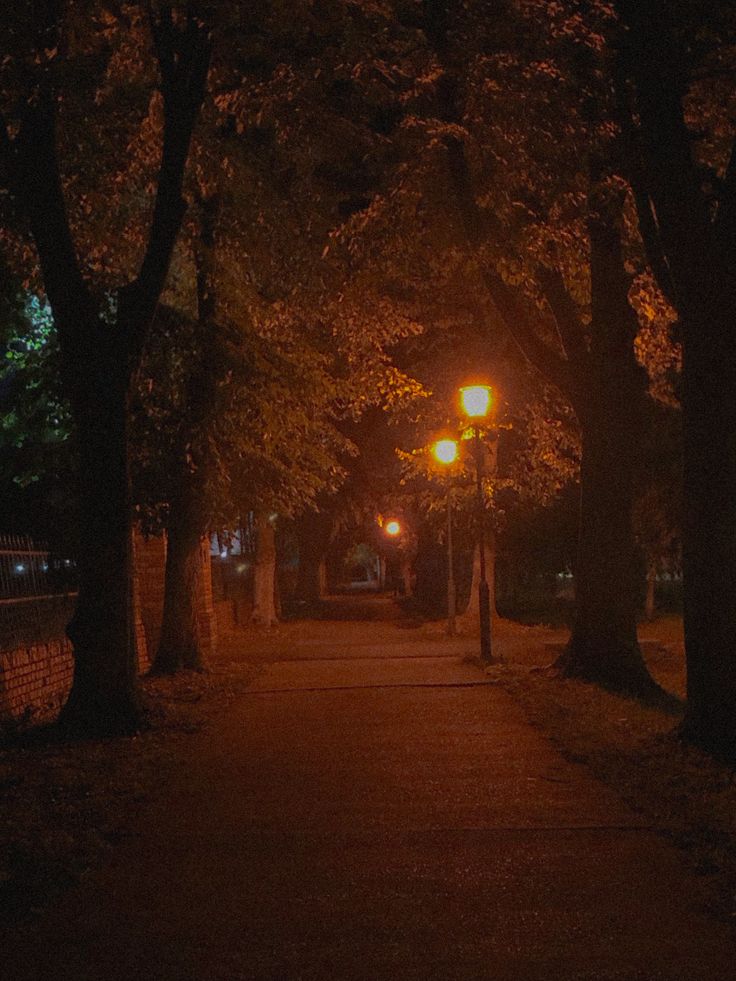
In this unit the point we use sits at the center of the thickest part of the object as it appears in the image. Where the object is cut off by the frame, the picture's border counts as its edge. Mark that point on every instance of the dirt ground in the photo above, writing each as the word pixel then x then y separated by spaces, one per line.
pixel 68 809
pixel 632 747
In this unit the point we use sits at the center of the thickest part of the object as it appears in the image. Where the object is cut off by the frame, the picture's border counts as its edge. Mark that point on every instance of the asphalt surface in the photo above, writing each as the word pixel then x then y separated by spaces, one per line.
pixel 373 808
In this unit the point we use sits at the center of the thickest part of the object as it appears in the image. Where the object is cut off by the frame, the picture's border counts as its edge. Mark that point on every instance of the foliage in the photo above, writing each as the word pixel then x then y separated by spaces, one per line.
pixel 39 420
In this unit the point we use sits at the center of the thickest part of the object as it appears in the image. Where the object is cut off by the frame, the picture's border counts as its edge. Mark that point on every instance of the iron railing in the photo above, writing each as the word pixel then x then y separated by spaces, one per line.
pixel 37 591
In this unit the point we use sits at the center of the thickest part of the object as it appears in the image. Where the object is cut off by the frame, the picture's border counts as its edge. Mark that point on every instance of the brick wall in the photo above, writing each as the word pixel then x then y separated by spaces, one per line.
pixel 35 681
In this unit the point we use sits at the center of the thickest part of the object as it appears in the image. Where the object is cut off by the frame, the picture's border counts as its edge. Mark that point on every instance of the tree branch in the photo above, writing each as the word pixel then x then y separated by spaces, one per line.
pixel 614 320
pixel 204 246
pixel 183 55
pixel 650 57
pixel 635 174
pixel 567 317
pixel 515 316
pixel 508 301
pixel 653 248
pixel 513 312
pixel 35 181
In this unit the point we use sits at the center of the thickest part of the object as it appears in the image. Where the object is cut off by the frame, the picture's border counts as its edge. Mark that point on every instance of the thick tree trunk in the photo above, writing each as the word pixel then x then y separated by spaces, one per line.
pixel 180 645
pixel 611 409
pixel 709 528
pixel 264 577
pixel 603 646
pixel 692 246
pixel 104 694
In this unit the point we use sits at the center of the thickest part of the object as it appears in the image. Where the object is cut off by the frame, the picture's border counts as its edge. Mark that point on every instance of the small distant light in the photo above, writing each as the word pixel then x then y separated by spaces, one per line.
pixel 45 566
pixel 241 567
pixel 20 568
pixel 67 562
pixel 393 528
pixel 223 553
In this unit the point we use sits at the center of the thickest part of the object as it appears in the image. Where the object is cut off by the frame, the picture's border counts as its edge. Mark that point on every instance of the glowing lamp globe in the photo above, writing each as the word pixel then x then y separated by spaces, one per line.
pixel 476 400
pixel 445 451
pixel 393 528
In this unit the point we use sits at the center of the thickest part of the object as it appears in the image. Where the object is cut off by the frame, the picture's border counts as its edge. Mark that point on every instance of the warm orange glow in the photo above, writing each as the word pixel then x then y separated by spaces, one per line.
pixel 476 400
pixel 393 527
pixel 445 451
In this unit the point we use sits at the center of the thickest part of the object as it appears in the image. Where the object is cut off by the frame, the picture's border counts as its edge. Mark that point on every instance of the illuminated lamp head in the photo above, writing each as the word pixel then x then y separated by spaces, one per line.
pixel 476 400
pixel 445 451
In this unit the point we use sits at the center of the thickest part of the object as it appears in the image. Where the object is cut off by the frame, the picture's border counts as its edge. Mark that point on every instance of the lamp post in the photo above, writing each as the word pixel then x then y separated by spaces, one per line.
pixel 445 452
pixel 476 404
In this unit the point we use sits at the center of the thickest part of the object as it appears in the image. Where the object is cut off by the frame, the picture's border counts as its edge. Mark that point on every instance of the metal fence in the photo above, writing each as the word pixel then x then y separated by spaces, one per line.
pixel 37 592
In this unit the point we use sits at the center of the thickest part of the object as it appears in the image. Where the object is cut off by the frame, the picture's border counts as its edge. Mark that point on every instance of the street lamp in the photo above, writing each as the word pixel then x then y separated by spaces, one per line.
pixel 445 452
pixel 392 528
pixel 476 403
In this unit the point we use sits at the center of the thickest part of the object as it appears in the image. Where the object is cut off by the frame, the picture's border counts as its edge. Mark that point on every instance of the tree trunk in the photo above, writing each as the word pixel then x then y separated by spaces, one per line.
pixel 406 571
pixel 314 539
pixel 472 610
pixel 709 526
pixel 311 577
pixel 649 598
pixel 611 409
pixel 264 573
pixel 692 246
pixel 603 646
pixel 180 645
pixel 99 354
pixel 104 696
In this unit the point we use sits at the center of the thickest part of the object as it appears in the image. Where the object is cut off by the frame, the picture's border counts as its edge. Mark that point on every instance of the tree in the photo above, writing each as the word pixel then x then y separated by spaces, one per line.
pixel 188 515
pixel 563 295
pixel 101 336
pixel 298 119
pixel 675 80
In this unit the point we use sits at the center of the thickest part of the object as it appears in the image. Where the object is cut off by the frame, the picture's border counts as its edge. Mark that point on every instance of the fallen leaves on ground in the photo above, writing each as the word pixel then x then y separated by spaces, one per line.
pixel 66 804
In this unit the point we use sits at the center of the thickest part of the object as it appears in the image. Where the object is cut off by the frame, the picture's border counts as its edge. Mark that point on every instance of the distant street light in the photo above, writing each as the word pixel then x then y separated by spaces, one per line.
pixel 392 528
pixel 476 403
pixel 445 452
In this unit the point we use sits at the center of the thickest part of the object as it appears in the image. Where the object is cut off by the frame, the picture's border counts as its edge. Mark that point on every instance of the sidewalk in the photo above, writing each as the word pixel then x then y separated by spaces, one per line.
pixel 373 808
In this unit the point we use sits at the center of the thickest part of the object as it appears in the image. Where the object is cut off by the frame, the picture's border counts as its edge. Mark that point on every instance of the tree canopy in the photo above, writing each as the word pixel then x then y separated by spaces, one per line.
pixel 274 239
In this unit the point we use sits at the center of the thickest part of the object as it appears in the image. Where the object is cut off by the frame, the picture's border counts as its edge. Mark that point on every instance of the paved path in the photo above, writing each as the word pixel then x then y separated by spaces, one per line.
pixel 373 809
